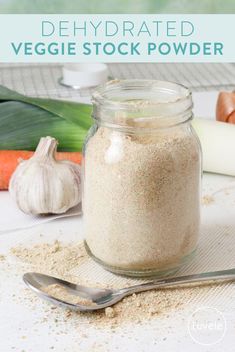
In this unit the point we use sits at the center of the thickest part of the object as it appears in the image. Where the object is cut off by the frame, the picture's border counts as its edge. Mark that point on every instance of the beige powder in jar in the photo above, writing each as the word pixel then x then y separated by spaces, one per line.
pixel 141 198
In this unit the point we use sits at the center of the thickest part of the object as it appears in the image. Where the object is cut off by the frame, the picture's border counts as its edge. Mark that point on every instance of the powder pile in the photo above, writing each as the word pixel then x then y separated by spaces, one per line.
pixel 52 258
pixel 62 293
pixel 141 205
pixel 58 259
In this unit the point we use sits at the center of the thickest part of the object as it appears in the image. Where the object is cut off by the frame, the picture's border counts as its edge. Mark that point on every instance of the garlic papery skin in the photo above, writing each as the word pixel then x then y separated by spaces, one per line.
pixel 43 185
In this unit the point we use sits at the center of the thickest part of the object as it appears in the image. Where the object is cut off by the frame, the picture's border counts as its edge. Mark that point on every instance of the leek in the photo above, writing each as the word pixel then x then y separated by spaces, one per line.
pixel 218 145
pixel 24 120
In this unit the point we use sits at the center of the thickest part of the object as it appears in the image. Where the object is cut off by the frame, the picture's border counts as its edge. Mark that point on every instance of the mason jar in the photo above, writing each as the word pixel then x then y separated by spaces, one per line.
pixel 141 178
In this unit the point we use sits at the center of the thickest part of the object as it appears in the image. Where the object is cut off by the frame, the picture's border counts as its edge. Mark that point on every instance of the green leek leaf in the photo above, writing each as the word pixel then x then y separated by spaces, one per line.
pixel 24 120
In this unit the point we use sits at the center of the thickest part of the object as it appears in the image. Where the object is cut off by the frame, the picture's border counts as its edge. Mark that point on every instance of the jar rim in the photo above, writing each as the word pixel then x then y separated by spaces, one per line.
pixel 100 94
pixel 148 99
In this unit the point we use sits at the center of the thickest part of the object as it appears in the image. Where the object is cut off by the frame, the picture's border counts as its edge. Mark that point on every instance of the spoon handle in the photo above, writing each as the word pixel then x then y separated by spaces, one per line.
pixel 180 280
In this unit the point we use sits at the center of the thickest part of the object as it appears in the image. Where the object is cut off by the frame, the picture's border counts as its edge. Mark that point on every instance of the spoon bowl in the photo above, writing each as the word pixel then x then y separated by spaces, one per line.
pixel 98 298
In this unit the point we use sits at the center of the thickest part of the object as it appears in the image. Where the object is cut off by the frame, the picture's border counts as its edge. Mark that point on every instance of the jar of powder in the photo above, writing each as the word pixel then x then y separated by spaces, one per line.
pixel 141 178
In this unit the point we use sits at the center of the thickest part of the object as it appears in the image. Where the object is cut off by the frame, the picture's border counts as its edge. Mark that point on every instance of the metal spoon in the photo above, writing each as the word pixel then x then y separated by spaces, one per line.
pixel 101 298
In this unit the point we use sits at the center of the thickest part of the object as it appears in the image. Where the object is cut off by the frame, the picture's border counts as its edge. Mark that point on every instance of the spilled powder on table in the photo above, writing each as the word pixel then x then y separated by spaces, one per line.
pixel 52 258
pixel 207 199
pixel 59 259
pixel 2 257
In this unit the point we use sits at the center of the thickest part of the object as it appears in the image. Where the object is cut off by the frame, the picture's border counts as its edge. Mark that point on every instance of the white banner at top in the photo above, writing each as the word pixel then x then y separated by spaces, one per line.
pixel 117 38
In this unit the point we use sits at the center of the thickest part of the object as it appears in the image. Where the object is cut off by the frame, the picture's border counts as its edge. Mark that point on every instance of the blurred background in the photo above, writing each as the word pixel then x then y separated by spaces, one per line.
pixel 117 6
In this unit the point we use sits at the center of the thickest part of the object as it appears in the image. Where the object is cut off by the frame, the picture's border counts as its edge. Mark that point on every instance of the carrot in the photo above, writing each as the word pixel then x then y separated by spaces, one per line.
pixel 9 159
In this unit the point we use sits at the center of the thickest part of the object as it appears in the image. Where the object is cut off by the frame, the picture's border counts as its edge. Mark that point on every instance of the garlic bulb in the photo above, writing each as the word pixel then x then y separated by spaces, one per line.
pixel 42 185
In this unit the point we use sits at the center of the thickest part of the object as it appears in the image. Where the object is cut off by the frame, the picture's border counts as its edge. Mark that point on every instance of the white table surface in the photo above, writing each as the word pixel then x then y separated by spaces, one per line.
pixel 22 327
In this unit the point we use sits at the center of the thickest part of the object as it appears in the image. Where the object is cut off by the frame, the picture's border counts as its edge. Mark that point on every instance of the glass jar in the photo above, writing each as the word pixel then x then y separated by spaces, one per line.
pixel 141 178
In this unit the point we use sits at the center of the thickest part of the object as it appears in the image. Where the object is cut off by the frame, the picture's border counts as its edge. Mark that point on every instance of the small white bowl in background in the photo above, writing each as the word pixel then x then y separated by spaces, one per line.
pixel 84 75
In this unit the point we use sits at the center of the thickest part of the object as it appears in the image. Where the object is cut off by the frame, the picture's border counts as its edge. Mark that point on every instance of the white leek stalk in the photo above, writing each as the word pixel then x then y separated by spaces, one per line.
pixel 218 145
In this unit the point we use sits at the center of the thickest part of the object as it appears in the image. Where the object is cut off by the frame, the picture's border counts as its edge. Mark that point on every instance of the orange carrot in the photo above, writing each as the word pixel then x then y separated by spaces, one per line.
pixel 9 159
